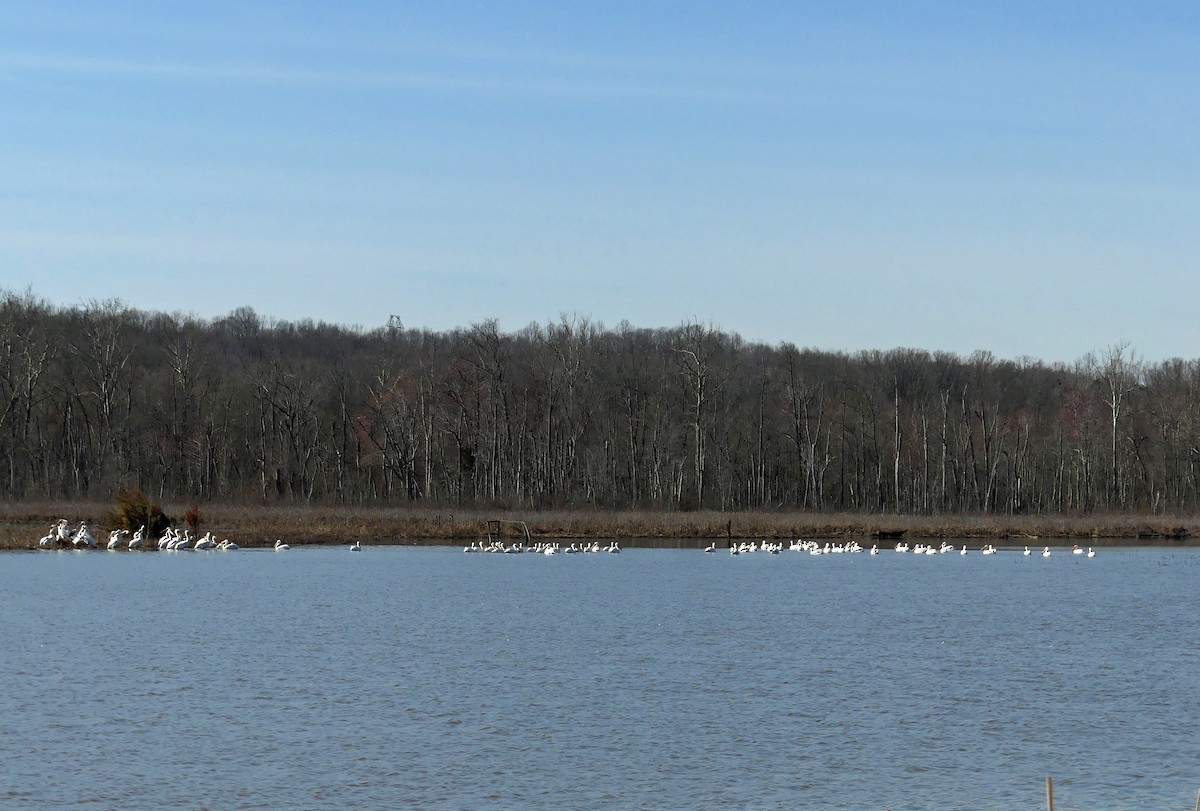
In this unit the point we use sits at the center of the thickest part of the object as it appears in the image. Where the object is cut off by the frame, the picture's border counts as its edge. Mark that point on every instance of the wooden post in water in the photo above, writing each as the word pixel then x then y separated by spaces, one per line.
pixel 1049 793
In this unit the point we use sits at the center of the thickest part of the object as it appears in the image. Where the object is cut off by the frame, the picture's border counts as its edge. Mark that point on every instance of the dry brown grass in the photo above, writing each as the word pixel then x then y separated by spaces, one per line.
pixel 21 524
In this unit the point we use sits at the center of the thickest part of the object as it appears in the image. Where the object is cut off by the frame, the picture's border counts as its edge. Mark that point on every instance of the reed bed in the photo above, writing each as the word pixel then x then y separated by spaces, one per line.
pixel 22 523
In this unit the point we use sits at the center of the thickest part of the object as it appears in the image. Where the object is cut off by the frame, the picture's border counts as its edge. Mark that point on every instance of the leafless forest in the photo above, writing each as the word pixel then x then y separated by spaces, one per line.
pixel 571 414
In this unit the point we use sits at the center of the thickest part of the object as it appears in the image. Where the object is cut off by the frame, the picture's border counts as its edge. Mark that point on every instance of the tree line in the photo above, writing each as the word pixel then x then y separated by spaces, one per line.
pixel 569 413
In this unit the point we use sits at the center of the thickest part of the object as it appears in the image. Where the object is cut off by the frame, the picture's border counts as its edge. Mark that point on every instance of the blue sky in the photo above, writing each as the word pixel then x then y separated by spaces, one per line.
pixel 947 176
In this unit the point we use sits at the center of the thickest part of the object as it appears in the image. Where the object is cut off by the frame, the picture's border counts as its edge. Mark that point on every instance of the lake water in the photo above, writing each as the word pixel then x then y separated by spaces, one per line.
pixel 420 677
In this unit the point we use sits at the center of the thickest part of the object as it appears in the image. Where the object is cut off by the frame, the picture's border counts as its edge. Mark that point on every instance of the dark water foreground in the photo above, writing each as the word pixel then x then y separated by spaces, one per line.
pixel 420 677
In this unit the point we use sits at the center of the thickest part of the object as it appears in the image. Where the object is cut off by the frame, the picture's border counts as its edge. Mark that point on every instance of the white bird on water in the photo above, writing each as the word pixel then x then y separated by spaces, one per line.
pixel 83 537
pixel 136 541
pixel 356 547
pixel 1046 552
pixel 280 546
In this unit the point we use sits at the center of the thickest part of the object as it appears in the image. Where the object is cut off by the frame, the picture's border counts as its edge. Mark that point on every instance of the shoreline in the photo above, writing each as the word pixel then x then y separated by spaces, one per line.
pixel 23 523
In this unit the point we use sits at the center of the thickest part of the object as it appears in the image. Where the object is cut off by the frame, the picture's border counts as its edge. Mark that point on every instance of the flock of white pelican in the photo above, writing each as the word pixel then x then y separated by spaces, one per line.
pixel 60 536
pixel 541 548
pixel 853 547
pixel 172 540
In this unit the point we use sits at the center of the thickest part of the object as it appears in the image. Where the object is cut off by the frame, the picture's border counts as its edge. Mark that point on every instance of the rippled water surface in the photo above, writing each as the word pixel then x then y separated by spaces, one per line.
pixel 422 677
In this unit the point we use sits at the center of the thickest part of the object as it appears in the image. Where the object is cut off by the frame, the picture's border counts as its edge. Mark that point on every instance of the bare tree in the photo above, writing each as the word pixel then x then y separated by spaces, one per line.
pixel 696 347
pixel 1119 371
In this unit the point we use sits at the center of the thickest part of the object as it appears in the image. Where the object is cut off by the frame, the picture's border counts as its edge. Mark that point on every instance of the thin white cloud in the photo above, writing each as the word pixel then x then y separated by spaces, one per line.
pixel 273 74
pixel 166 250
pixel 388 43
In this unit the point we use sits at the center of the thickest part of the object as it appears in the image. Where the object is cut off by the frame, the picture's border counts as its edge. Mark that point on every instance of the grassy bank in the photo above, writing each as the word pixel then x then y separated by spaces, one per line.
pixel 21 524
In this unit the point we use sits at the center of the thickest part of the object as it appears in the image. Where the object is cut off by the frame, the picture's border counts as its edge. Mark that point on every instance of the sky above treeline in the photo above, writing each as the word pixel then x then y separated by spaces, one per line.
pixel 1018 177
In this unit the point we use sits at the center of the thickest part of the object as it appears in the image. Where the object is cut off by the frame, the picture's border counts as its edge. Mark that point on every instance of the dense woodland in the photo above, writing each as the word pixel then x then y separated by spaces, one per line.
pixel 242 409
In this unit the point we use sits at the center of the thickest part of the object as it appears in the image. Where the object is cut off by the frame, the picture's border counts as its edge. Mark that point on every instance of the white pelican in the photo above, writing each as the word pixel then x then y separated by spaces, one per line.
pixel 356 547
pixel 1026 553
pixel 64 537
pixel 711 547
pixel 82 536
pixel 280 546
pixel 963 551
pixel 1076 550
pixel 207 541
pixel 1046 552
pixel 1091 553
pixel 49 538
pixel 136 541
